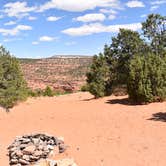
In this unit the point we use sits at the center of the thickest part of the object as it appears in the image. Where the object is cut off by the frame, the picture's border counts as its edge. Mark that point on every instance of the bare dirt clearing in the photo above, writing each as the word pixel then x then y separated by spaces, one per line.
pixel 103 132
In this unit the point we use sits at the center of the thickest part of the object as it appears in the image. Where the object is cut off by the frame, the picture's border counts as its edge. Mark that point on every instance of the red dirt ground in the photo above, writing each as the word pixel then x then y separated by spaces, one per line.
pixel 103 132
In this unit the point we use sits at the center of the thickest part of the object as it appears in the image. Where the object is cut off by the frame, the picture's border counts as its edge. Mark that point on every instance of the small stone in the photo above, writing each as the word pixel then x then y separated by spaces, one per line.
pixel 52 162
pixel 12 154
pixel 29 149
pixel 13 161
pixel 40 147
pixel 35 141
pixel 25 140
pixel 19 153
pixel 24 162
pixel 38 153
pixel 50 147
pixel 26 157
pixel 23 146
pixel 62 148
pixel 34 158
pixel 13 149
pixel 78 148
pixel 51 142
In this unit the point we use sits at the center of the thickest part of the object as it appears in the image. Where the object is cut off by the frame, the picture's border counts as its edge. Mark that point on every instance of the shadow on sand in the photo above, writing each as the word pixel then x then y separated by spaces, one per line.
pixel 88 99
pixel 160 116
pixel 124 101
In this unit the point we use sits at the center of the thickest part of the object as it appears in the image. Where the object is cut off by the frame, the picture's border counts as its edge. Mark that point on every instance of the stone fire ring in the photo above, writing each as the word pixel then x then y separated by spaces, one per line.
pixel 29 149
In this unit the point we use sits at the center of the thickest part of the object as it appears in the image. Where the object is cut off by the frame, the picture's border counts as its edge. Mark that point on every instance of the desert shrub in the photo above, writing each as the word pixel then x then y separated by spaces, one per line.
pixel 147 78
pixel 48 92
pixel 38 92
pixel 97 89
pixel 13 87
pixel 35 93
pixel 84 88
pixel 97 77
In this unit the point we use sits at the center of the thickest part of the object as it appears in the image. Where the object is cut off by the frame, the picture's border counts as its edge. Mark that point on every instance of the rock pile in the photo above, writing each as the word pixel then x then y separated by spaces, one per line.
pixel 28 149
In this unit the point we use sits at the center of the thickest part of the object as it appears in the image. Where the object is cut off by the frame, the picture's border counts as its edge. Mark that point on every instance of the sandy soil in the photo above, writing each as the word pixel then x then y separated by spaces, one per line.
pixel 103 132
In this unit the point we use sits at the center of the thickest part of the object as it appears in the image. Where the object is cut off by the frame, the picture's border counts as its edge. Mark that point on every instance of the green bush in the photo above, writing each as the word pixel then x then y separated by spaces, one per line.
pixel 35 93
pixel 147 78
pixel 97 89
pixel 38 92
pixel 45 92
pixel 48 92
pixel 13 87
pixel 85 88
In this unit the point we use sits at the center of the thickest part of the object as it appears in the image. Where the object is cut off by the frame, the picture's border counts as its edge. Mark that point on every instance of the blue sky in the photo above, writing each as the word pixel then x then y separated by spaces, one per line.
pixel 43 28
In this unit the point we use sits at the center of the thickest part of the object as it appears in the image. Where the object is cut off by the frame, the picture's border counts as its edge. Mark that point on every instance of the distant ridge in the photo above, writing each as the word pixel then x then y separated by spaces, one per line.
pixel 58 57
pixel 71 56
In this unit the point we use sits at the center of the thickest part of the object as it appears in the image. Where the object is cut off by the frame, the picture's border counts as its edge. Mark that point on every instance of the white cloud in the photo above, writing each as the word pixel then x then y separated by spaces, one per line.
pixel 111 17
pixel 112 13
pixel 91 17
pixel 78 5
pixel 154 7
pixel 31 18
pixel 53 18
pixel 35 43
pixel 1 16
pixel 17 9
pixel 108 11
pixel 99 28
pixel 159 2
pixel 15 31
pixel 10 23
pixel 135 3
pixel 46 38
pixel 143 15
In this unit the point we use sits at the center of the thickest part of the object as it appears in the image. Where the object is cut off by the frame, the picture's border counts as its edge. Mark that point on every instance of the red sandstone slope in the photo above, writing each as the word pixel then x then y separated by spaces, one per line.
pixel 61 73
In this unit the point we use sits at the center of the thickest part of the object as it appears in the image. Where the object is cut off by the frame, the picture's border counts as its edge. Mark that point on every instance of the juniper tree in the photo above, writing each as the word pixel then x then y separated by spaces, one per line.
pixel 98 76
pixel 154 28
pixel 123 47
pixel 13 87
